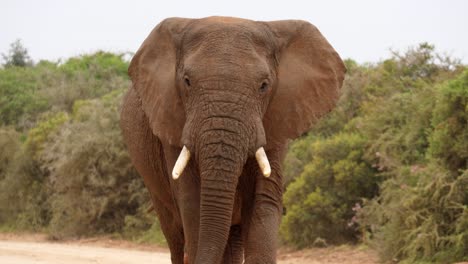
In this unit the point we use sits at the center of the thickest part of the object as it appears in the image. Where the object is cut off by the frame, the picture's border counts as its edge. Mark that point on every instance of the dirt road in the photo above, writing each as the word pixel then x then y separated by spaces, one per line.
pixel 38 251
pixel 53 253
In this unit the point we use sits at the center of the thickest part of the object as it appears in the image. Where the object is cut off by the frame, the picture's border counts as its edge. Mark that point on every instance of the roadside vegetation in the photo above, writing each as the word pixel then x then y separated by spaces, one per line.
pixel 388 167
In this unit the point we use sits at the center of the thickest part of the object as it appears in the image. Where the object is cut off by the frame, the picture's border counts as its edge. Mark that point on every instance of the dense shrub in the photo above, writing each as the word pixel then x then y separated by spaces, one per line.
pixel 104 187
pixel 68 173
pixel 425 221
pixel 320 201
pixel 410 114
pixel 27 92
pixel 449 140
pixel 422 212
pixel 10 145
pixel 25 191
pixel 23 196
pixel 20 100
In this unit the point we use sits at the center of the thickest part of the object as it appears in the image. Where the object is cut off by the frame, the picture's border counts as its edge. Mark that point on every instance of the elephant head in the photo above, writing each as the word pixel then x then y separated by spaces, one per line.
pixel 225 89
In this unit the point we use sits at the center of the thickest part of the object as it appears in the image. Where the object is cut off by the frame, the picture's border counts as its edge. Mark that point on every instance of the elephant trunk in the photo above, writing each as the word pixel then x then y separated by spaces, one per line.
pixel 216 206
pixel 221 157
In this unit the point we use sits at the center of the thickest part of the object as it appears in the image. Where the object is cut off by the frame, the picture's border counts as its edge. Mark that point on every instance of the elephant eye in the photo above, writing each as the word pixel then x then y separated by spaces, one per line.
pixel 264 87
pixel 187 81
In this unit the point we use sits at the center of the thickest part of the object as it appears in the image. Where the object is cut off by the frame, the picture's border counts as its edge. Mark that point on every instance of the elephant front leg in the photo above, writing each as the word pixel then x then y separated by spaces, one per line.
pixel 187 196
pixel 262 235
pixel 189 205
pixel 173 232
pixel 233 254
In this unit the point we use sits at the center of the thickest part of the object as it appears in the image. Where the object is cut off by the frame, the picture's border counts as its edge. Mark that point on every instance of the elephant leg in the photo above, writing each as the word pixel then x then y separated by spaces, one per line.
pixel 147 153
pixel 261 241
pixel 187 197
pixel 265 215
pixel 234 253
pixel 190 217
pixel 173 233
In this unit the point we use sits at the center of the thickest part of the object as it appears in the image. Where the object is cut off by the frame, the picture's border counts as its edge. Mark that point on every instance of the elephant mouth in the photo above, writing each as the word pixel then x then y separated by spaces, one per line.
pixel 184 158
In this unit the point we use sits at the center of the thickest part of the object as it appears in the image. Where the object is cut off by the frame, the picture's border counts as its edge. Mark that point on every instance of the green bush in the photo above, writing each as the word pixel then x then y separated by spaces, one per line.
pixel 20 100
pixel 23 196
pixel 85 77
pixel 101 64
pixel 320 201
pixel 25 191
pixel 410 115
pixel 424 222
pixel 90 171
pixel 10 145
pixel 67 170
pixel 449 140
pixel 422 211
pixel 26 93
pixel 143 227
pixel 40 134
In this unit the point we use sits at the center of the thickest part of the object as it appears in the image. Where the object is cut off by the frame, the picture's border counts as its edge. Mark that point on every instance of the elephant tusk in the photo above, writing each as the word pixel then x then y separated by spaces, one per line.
pixel 181 162
pixel 263 162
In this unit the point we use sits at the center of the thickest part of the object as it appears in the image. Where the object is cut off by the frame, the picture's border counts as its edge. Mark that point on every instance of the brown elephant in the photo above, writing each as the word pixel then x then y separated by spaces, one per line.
pixel 215 101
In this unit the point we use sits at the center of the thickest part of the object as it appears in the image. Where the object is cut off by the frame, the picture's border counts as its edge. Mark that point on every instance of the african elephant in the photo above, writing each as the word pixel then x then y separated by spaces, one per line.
pixel 215 101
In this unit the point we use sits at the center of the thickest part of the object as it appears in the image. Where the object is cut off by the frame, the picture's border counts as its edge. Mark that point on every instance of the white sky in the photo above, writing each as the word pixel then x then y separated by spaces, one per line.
pixel 364 30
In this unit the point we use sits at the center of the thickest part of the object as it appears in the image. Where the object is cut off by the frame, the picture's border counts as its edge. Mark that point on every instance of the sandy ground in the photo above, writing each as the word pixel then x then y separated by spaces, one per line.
pixel 29 249
pixel 42 252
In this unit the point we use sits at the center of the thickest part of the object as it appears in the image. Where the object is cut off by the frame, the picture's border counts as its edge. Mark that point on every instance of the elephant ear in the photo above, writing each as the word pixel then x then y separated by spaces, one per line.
pixel 310 75
pixel 153 74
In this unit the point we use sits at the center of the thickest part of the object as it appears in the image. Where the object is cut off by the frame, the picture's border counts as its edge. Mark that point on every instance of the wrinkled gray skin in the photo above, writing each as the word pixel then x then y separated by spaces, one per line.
pixel 224 87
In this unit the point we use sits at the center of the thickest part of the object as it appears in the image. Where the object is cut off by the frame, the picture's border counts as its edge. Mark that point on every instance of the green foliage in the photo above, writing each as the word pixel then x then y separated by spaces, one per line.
pixel 104 188
pixel 19 99
pixel 320 201
pixel 142 227
pixel 102 64
pixel 27 93
pixel 410 115
pixel 427 221
pixel 9 145
pixel 17 56
pixel 449 140
pixel 38 135
pixel 23 199
pixel 90 76
pixel 397 138
pixel 421 212
pixel 68 172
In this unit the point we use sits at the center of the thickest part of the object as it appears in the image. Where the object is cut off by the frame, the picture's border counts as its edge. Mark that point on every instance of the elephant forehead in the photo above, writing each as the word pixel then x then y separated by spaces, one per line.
pixel 225 48
pixel 235 64
pixel 235 35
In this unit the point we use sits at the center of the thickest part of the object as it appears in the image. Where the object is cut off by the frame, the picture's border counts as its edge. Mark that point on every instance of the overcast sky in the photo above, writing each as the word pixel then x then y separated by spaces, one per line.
pixel 364 30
